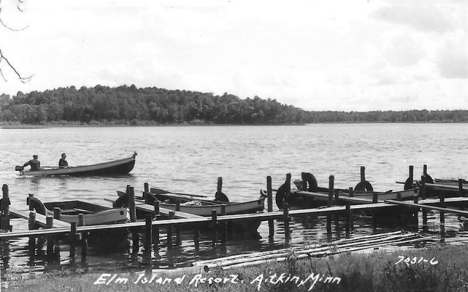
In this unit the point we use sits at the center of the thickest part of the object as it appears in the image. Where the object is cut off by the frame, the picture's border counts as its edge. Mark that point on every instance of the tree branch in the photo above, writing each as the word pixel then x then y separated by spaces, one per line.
pixel 21 78
pixel 2 57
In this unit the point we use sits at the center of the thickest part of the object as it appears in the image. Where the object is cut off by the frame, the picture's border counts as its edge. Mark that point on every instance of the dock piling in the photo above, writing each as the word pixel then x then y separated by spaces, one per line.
pixel 271 222
pixel 286 218
pixel 219 188
pixel 50 238
pixel 223 225
pixel 348 218
pixel 148 233
pixel 214 220
pixel 169 231
pixel 72 241
pixel 32 220
pixel 331 186
pixel 57 213
pixel 5 211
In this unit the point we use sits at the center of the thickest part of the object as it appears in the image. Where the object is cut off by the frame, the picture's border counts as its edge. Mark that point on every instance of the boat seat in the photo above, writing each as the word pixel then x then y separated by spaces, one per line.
pixel 76 210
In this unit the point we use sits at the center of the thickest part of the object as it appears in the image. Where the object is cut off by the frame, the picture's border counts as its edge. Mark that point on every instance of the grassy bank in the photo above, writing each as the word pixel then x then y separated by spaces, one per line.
pixel 443 268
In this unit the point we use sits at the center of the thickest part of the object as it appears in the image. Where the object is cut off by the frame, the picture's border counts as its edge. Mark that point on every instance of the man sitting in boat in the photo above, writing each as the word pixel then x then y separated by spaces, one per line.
pixel 34 163
pixel 63 161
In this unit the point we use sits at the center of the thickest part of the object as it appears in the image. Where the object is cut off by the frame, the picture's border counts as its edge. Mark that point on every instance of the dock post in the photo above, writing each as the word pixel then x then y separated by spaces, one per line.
pixel 57 213
pixel 84 246
pixel 5 212
pixel 50 238
pixel 351 219
pixel 287 232
pixel 214 221
pixel 133 218
pixel 148 234
pixel 72 241
pixel 337 215
pixel 131 204
pixel 177 227
pixel 348 218
pixel 223 225
pixel 219 187
pixel 156 228
pixel 423 190
pixel 271 223
pixel 363 174
pixel 81 220
pixel 460 187
pixel 84 237
pixel 337 196
pixel 156 208
pixel 442 216
pixel 32 220
pixel 31 226
pixel 169 231
pixel 331 182
pixel 146 187
pixel 375 197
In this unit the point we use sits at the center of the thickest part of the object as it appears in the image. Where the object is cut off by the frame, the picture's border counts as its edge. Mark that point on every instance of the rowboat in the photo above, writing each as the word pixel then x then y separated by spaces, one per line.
pixel 204 207
pixel 70 211
pixel 92 214
pixel 201 206
pixel 116 167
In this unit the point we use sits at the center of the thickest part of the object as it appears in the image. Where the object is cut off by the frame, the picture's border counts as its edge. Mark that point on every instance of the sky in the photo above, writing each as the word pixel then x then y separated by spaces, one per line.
pixel 353 55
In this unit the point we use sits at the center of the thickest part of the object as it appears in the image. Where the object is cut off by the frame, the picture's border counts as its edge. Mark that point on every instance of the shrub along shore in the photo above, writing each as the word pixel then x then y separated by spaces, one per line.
pixel 436 268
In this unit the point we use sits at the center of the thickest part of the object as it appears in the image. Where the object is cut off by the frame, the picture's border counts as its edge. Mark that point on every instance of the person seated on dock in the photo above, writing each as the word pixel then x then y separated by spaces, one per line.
pixel 34 163
pixel 63 161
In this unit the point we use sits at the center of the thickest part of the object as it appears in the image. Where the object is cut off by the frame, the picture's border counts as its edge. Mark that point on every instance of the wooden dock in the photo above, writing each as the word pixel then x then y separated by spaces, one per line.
pixel 41 220
pixel 152 215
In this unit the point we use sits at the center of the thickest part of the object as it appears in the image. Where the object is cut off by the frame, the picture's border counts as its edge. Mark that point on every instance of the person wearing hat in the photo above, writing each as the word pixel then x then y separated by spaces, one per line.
pixel 34 163
pixel 63 161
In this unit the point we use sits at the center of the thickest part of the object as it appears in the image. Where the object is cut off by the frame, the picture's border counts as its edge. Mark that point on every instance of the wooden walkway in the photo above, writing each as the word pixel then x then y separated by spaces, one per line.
pixel 177 214
pixel 181 218
pixel 40 219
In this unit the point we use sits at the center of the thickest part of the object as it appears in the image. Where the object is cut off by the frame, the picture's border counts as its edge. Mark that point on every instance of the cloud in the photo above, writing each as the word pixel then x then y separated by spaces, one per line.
pixel 452 57
pixel 423 18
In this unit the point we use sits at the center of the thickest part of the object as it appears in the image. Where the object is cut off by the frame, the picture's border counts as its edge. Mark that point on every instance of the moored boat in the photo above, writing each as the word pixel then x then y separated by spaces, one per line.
pixel 70 211
pixel 202 206
pixel 115 167
pixel 309 195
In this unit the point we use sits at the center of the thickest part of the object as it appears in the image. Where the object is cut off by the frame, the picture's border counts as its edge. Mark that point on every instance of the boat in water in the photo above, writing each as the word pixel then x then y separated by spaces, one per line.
pixel 202 206
pixel 70 211
pixel 115 167
pixel 309 195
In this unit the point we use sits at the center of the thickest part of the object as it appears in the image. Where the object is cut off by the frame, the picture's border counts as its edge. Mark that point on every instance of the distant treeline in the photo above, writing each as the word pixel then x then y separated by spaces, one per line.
pixel 150 106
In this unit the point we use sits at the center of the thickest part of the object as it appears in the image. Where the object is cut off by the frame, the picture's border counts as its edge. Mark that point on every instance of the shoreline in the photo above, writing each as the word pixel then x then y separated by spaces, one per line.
pixel 434 268
pixel 116 125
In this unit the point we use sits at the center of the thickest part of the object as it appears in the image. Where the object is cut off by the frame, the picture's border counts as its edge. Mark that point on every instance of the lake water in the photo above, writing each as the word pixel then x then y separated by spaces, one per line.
pixel 190 159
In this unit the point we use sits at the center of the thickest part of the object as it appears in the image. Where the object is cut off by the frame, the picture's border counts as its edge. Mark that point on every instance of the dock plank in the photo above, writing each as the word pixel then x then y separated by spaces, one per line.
pixel 178 215
pixel 40 219
pixel 444 187
pixel 341 198
pixel 429 207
